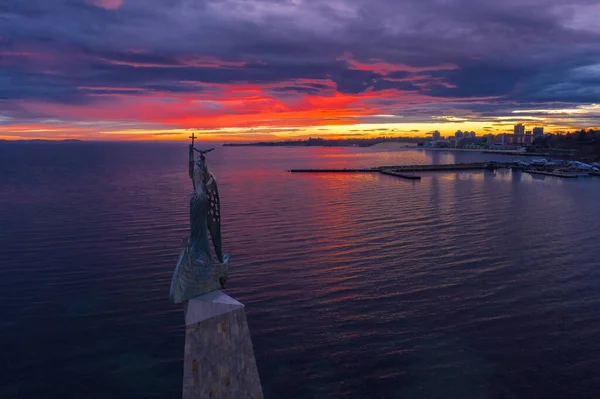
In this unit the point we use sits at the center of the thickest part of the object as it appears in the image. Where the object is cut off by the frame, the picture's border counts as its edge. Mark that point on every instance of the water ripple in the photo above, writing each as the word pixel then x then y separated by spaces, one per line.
pixel 356 285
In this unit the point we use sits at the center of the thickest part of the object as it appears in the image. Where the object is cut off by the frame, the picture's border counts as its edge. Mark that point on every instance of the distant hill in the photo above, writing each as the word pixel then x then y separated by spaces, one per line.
pixel 585 143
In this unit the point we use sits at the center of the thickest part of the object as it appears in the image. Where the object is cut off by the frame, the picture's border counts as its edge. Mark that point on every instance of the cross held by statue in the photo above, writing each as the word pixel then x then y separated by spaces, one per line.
pixel 192 137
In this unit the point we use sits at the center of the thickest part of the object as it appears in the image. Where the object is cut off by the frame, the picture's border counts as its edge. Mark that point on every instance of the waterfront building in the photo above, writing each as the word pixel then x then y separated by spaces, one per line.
pixel 512 141
pixel 538 132
pixel 519 129
pixel 436 136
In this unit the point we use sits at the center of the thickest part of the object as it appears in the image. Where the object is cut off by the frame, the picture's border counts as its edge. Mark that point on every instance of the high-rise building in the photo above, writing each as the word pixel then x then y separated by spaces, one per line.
pixel 436 136
pixel 458 134
pixel 500 139
pixel 538 131
pixel 465 134
pixel 519 129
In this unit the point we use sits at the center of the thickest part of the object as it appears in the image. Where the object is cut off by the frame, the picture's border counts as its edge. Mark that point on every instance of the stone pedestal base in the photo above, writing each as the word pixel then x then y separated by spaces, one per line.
pixel 219 360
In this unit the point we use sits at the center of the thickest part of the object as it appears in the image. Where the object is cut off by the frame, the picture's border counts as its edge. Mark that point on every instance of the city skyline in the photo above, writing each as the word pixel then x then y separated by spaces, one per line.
pixel 270 70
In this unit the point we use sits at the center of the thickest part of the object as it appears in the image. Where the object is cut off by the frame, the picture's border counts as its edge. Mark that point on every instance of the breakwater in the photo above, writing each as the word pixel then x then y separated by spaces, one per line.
pixel 408 171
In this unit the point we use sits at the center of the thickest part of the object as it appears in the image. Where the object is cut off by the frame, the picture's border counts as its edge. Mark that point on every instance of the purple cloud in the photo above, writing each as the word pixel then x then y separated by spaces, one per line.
pixel 517 52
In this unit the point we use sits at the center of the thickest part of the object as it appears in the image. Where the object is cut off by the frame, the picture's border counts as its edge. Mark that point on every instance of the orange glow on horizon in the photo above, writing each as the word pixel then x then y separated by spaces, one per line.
pixel 252 112
pixel 62 132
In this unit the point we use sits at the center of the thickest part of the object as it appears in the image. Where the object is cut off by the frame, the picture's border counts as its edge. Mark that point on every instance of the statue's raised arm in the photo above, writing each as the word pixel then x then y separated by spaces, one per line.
pixel 199 272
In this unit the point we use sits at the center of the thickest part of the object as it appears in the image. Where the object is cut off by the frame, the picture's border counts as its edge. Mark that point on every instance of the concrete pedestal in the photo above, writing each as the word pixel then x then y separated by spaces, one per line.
pixel 219 360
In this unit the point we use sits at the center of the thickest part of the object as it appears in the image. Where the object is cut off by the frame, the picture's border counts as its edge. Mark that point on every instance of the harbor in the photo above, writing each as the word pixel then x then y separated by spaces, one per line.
pixel 555 168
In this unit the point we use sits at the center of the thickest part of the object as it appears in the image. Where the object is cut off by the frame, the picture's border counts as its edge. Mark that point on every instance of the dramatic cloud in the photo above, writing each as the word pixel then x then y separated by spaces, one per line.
pixel 289 66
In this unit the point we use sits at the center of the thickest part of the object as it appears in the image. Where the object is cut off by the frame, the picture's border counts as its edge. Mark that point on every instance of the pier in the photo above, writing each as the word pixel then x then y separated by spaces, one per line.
pixel 408 171
pixel 345 170
pixel 397 174
pixel 445 167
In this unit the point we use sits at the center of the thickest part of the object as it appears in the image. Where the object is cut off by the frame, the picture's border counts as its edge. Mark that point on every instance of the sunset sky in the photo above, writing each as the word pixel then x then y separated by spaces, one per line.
pixel 277 69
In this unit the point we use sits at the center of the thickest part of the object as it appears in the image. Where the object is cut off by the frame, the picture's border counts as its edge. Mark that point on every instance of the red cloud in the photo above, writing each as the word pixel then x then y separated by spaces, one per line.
pixel 108 4
pixel 225 107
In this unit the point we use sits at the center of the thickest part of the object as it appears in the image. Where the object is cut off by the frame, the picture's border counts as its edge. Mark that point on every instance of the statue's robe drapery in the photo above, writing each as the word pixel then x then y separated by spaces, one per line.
pixel 205 216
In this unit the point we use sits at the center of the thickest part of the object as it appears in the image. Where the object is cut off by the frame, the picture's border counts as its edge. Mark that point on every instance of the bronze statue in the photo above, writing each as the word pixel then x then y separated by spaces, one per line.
pixel 198 272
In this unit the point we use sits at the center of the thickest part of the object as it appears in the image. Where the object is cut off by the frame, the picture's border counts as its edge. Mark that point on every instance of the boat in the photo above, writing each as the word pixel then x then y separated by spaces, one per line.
pixel 580 166
pixel 538 162
pixel 555 173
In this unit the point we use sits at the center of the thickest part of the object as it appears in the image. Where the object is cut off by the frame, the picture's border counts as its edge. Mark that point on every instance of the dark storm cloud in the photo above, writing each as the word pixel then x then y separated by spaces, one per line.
pixel 357 81
pixel 516 50
pixel 482 81
pixel 21 84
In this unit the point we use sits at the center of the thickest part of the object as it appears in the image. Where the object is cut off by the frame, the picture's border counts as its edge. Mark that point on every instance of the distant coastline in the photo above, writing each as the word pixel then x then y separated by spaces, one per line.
pixel 42 141
pixel 318 142
pixel 388 145
pixel 417 144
